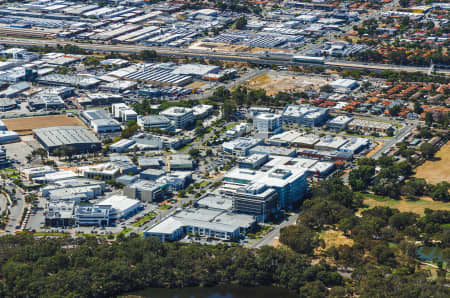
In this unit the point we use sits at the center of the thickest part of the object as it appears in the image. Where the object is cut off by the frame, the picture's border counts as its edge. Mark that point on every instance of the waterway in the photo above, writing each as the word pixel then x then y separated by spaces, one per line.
pixel 215 292
pixel 430 253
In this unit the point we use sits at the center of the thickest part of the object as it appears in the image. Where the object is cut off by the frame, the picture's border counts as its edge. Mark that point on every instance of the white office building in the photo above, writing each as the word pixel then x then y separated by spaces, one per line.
pixel 180 116
pixel 123 112
pixel 267 124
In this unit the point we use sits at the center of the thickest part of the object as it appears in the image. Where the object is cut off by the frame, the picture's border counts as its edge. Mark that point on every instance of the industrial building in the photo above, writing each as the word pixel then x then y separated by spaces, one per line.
pixel 100 121
pixel 77 138
pixel 68 80
pixel 8 136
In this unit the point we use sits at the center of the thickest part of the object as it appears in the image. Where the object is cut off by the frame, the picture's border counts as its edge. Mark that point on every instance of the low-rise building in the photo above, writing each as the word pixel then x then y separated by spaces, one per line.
pixel 253 161
pixel 339 122
pixel 241 146
pixel 154 121
pixel 146 191
pixel 266 124
pixel 370 126
pixel 304 115
pixel 202 222
pixel 121 206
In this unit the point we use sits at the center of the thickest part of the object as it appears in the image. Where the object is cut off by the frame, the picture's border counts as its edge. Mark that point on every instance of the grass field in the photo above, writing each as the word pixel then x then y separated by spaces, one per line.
pixel 335 238
pixel 24 126
pixel 436 171
pixel 418 206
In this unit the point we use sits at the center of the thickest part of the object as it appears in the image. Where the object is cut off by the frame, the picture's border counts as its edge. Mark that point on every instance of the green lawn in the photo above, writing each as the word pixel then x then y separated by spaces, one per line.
pixel 204 183
pixel 165 207
pixel 417 206
pixel 144 219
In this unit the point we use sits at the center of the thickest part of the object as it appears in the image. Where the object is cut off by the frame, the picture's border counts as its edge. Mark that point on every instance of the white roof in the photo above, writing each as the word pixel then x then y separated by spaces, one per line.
pixel 120 203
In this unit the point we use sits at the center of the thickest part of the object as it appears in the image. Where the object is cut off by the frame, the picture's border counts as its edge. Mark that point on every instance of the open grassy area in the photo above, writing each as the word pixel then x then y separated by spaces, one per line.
pixel 403 205
pixel 144 219
pixel 335 238
pixel 436 171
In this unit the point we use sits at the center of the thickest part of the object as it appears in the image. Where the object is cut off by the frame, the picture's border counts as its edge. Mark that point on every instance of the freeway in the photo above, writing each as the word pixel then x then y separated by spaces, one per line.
pixel 191 53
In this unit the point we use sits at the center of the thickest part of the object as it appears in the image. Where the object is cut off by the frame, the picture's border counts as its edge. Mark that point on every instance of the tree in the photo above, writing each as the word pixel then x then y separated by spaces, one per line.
pixel 394 110
pixel 194 153
pixel 299 238
pixel 228 111
pixel 428 119
pixel 240 23
pixel 440 192
pixel 404 3
pixel 427 150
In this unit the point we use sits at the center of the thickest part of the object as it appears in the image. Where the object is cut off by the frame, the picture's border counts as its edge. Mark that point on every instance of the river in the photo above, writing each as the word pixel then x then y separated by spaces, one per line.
pixel 215 292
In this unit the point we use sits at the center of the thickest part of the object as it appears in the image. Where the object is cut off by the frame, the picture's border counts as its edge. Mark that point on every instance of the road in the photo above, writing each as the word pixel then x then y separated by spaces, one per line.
pixel 191 53
pixel 269 237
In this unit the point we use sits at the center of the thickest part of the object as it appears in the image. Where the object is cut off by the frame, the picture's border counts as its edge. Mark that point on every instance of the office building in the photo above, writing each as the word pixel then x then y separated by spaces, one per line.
pixel 254 161
pixel 4 162
pixel 121 206
pixel 255 199
pixel 204 223
pixel 180 116
pixel 92 215
pixel 154 121
pixel 304 115
pixel 240 146
pixel 339 122
pixel 146 191
pixel 123 113
pixel 290 183
pixel 59 213
pixel 266 124
pixel 121 145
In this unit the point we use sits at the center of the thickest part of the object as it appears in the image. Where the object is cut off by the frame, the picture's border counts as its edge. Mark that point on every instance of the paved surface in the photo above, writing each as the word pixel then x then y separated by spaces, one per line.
pixel 229 56
pixel 269 237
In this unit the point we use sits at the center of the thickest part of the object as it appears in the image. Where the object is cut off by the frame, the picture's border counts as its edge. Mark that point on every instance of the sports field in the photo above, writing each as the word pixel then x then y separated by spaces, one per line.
pixel 24 126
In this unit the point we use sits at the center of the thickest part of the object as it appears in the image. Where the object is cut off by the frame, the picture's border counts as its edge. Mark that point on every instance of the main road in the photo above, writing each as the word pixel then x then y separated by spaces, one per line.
pixel 192 53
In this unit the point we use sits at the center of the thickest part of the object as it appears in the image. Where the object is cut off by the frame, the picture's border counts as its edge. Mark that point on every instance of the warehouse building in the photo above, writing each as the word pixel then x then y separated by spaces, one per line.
pixel 99 121
pixel 77 137
pixel 121 145
pixel 68 80
pixel 8 136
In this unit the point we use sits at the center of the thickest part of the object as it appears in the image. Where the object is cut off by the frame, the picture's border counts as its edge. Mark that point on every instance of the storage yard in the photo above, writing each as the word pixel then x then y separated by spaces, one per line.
pixel 24 126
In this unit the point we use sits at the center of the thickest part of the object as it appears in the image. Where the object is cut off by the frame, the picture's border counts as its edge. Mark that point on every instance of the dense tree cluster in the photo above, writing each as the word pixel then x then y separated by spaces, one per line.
pixel 94 268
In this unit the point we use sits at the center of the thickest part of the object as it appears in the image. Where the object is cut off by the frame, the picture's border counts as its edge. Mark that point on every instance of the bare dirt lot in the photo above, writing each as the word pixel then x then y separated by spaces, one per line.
pixel 228 47
pixel 24 126
pixel 275 82
pixel 436 171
